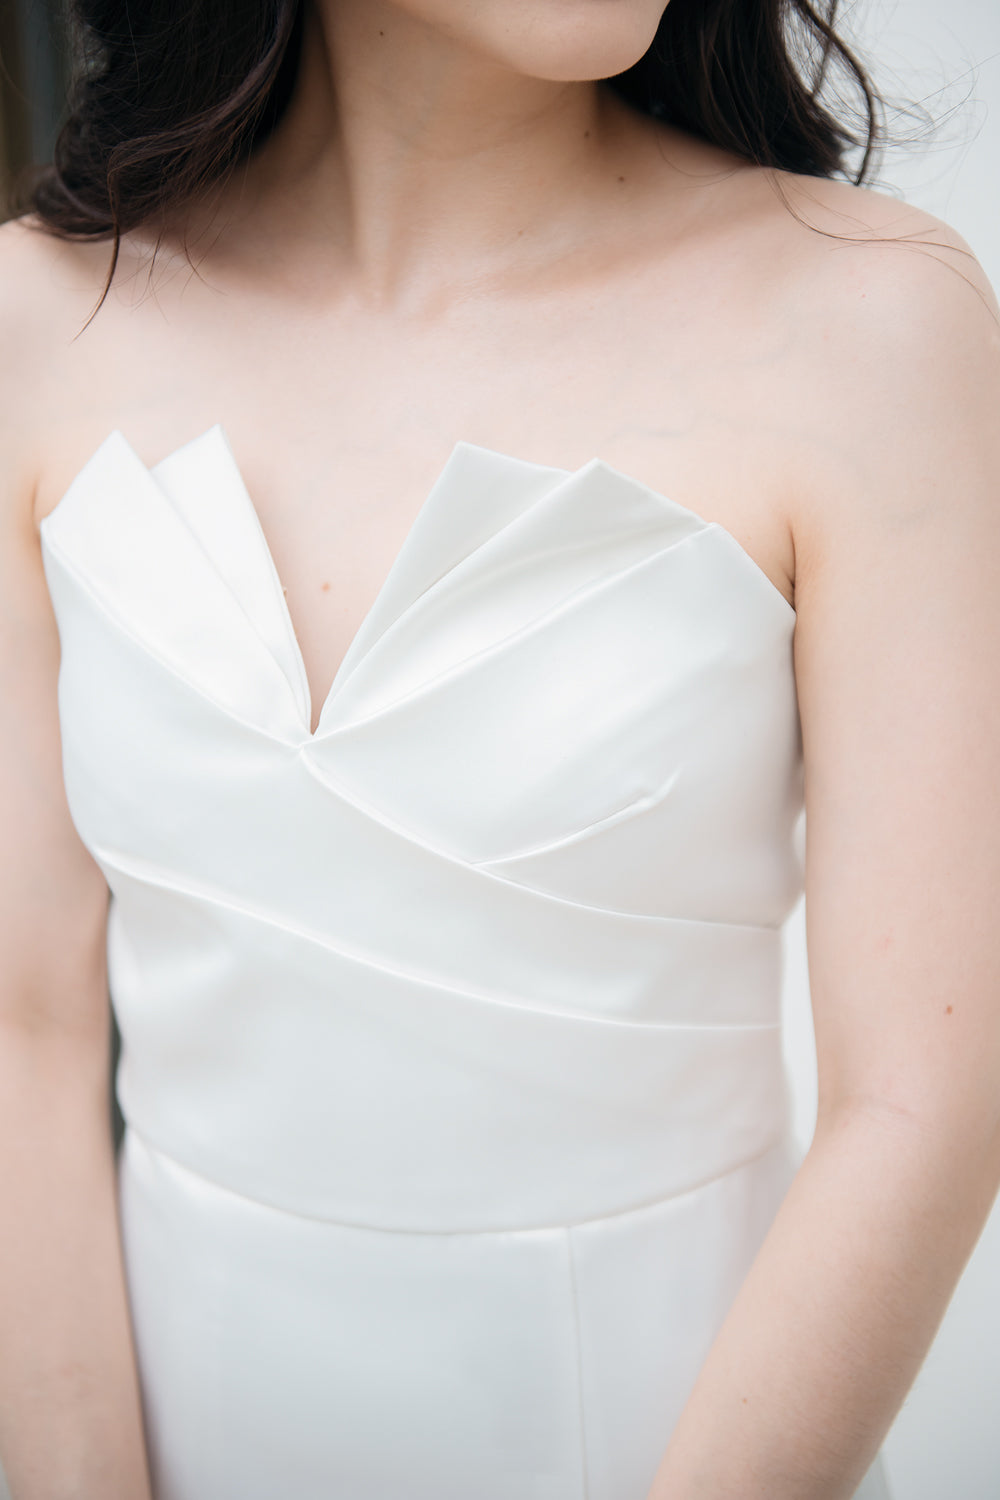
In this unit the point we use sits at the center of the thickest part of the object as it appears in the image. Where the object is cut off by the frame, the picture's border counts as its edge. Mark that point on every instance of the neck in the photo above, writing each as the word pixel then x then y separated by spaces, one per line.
pixel 410 158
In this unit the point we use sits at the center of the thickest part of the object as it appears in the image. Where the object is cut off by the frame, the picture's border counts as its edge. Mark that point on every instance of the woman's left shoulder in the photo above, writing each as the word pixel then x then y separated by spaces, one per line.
pixel 890 349
pixel 862 263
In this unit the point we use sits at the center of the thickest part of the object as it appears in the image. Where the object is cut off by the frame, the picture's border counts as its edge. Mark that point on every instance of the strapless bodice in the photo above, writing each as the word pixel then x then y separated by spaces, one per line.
pixel 450 1031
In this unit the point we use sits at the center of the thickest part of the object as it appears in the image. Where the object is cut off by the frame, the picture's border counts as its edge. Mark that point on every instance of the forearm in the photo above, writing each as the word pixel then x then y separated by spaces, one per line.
pixel 70 1423
pixel 835 1316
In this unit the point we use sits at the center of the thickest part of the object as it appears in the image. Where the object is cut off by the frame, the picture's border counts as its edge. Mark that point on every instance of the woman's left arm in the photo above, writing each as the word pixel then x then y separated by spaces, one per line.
pixel 897 661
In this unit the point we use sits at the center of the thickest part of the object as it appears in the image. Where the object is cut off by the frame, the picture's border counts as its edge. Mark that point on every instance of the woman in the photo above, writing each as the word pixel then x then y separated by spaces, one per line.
pixel 620 480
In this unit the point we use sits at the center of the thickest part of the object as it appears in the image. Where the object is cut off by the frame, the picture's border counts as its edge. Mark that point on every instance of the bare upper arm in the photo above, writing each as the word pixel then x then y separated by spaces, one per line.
pixel 53 896
pixel 897 660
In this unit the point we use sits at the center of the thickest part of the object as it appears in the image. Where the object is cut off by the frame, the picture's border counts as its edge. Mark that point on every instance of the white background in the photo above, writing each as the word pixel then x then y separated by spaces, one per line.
pixel 945 1443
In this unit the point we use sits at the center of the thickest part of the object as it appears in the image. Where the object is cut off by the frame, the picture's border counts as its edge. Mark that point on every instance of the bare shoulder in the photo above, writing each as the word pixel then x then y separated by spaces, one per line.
pixel 44 280
pixel 41 292
pixel 49 287
pixel 892 335
pixel 28 261
pixel 35 259
pixel 858 245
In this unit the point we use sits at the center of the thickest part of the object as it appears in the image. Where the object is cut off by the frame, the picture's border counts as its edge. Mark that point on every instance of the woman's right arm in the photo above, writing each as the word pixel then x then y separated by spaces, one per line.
pixel 70 1417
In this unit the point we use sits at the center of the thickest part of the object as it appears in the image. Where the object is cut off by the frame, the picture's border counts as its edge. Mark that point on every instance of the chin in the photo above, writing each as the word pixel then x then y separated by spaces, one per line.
pixel 565 41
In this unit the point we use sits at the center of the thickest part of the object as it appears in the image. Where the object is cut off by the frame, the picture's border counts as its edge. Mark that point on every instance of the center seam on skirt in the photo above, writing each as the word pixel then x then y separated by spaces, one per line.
pixel 579 1359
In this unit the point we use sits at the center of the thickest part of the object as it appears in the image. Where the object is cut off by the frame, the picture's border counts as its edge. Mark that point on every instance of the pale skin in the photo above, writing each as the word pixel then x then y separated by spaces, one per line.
pixel 457 234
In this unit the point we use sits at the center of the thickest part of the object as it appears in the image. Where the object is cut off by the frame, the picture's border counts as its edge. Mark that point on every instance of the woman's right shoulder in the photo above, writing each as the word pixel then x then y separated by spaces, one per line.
pixel 48 289
pixel 44 281
pixel 35 297
pixel 37 283
pixel 36 259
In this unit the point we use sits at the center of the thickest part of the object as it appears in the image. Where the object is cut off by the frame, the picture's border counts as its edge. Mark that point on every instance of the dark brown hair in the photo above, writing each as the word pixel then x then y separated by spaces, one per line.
pixel 166 97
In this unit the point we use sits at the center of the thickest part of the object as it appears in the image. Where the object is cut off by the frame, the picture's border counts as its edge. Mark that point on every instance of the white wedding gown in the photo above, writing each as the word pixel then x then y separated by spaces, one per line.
pixel 451 1051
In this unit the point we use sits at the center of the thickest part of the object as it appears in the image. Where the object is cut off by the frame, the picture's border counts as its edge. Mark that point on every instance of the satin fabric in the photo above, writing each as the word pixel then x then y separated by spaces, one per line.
pixel 451 1054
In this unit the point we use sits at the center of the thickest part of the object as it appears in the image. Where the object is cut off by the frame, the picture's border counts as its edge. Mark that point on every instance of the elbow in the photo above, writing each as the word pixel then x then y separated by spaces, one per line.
pixel 951 1138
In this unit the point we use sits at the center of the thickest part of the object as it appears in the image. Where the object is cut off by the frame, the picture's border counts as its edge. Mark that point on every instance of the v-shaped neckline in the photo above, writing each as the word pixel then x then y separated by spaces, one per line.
pixel 363 629
pixel 359 640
